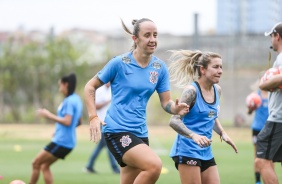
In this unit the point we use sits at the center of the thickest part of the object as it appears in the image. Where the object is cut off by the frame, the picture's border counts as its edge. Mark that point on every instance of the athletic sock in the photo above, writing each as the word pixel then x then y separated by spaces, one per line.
pixel 257 175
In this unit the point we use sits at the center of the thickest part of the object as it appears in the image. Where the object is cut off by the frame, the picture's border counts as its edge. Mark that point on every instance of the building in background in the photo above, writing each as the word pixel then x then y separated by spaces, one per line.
pixel 247 16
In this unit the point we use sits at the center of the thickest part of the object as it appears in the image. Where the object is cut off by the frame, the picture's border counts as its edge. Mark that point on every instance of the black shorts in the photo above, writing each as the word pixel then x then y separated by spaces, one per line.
pixel 57 151
pixel 119 143
pixel 255 136
pixel 203 164
pixel 269 144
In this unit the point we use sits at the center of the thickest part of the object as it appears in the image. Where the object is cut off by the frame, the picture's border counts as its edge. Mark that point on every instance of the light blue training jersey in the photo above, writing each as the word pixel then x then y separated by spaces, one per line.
pixel 200 119
pixel 66 135
pixel 261 114
pixel 131 87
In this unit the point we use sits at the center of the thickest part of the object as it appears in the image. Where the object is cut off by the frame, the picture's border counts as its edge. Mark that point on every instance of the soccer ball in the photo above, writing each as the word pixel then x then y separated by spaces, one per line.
pixel 270 73
pixel 17 182
pixel 253 101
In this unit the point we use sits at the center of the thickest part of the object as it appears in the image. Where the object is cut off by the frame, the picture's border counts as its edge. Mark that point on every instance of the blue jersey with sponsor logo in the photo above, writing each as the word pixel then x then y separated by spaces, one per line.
pixel 200 120
pixel 131 87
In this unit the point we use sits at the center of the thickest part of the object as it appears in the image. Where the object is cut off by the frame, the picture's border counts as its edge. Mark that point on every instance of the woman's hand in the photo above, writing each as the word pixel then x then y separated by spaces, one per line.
pixel 228 140
pixel 43 113
pixel 181 108
pixel 95 129
pixel 202 141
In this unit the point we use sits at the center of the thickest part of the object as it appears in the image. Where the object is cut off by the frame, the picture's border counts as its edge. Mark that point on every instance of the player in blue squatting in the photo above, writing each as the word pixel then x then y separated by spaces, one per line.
pixel 134 77
pixel 64 139
pixel 198 73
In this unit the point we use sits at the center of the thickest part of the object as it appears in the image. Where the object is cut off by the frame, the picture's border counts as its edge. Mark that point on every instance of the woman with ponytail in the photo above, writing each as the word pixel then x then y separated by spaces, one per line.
pixel 198 73
pixel 68 117
pixel 134 77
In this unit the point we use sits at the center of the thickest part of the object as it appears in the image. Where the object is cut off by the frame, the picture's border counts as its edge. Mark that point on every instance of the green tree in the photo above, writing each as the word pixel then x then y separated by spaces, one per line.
pixel 30 69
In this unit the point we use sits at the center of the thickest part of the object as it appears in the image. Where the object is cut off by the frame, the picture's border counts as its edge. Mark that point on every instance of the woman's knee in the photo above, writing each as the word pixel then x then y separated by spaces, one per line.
pixel 35 164
pixel 156 166
pixel 45 167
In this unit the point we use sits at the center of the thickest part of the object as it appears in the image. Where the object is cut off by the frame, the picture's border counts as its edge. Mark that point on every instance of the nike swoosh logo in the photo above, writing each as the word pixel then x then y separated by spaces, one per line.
pixel 259 153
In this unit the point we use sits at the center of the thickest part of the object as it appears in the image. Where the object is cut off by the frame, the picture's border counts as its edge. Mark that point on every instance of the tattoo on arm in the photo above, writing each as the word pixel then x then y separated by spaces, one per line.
pixel 177 124
pixel 189 96
pixel 168 107
pixel 92 93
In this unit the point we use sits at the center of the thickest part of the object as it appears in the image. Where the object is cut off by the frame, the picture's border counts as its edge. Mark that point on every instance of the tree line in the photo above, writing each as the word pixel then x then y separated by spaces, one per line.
pixel 30 70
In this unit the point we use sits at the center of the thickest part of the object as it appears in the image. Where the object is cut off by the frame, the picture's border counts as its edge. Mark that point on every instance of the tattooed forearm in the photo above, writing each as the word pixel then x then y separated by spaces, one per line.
pixel 177 124
pixel 168 107
pixel 92 93
pixel 188 96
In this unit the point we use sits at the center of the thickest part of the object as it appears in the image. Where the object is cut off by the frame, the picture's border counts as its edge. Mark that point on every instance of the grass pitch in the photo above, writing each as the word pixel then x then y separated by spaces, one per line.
pixel 21 143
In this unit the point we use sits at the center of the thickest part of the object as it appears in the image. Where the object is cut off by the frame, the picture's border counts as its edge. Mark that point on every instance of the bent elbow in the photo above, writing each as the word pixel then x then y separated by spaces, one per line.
pixel 67 123
pixel 172 122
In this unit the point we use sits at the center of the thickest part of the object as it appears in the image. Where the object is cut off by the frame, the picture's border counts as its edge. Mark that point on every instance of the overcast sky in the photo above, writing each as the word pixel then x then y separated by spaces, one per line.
pixel 175 17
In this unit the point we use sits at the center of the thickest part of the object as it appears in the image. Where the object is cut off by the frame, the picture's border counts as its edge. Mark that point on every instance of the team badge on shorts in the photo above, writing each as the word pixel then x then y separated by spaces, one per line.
pixel 154 77
pixel 191 162
pixel 125 141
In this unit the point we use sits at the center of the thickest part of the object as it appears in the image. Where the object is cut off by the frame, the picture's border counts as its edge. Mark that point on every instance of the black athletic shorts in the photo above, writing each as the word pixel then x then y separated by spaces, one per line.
pixel 119 143
pixel 203 164
pixel 269 143
pixel 57 151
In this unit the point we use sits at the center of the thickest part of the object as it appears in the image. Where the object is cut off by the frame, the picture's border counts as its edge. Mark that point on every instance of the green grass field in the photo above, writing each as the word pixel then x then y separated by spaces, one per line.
pixel 21 143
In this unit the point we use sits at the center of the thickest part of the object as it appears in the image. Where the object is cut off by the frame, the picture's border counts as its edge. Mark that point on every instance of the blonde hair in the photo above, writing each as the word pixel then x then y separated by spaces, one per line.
pixel 136 28
pixel 185 65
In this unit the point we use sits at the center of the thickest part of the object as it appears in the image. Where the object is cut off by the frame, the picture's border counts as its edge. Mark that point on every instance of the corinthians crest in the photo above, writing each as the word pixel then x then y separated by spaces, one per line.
pixel 154 77
pixel 125 141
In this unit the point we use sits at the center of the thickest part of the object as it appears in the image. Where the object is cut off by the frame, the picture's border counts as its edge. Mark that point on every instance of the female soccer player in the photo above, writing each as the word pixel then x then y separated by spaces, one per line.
pixel 64 140
pixel 134 77
pixel 199 73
